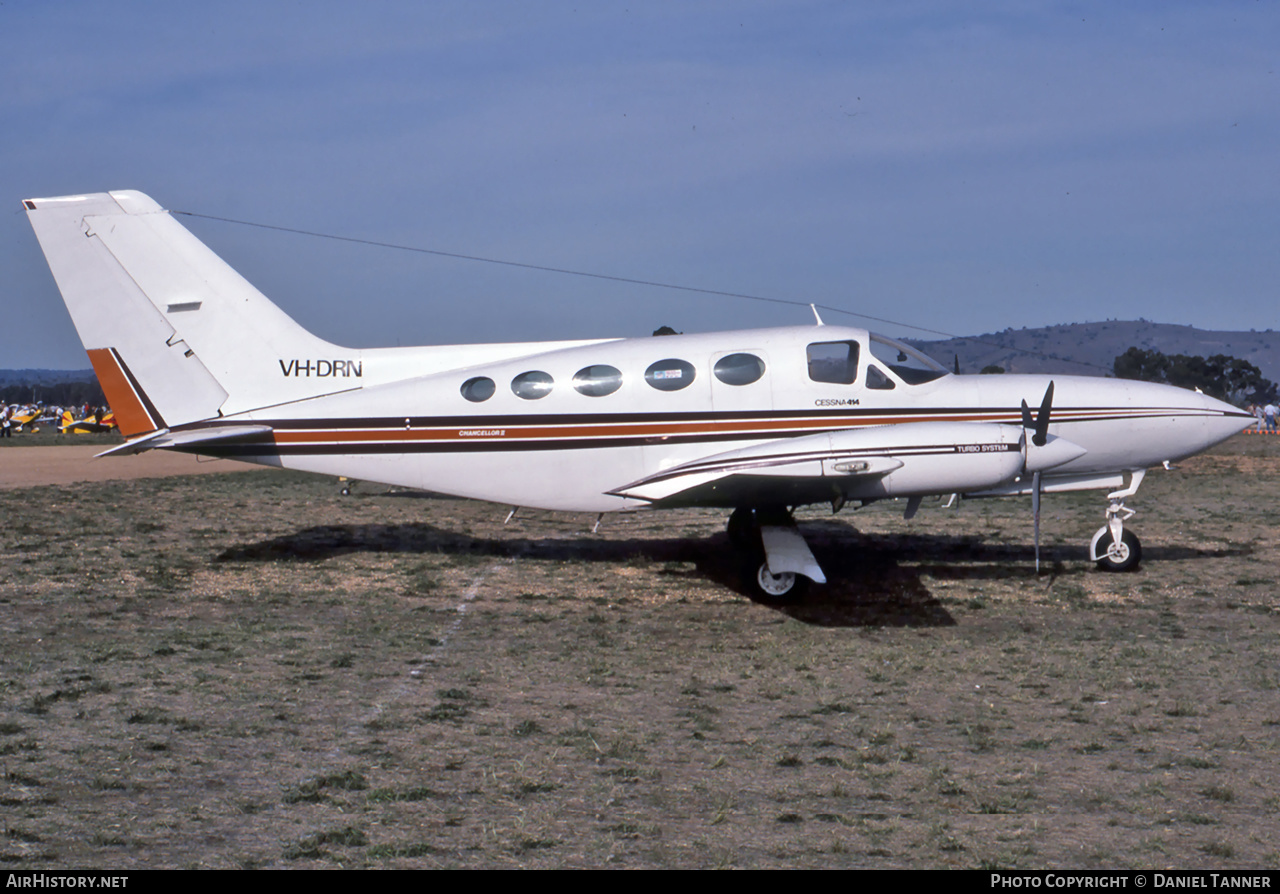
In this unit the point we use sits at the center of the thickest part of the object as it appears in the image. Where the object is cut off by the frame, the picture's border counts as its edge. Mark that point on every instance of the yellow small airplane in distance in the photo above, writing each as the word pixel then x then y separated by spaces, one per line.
pixel 26 418
pixel 95 423
pixel 194 358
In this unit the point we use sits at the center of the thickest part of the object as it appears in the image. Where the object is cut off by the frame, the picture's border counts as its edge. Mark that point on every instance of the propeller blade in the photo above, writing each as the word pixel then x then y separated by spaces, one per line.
pixel 1042 420
pixel 1035 512
pixel 1026 416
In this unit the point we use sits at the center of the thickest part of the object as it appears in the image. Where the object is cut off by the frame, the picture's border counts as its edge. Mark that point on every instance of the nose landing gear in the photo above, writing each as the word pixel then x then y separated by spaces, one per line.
pixel 1113 547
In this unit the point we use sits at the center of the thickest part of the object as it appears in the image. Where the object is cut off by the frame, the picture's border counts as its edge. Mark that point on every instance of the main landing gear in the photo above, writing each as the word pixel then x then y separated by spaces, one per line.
pixel 779 564
pixel 1113 547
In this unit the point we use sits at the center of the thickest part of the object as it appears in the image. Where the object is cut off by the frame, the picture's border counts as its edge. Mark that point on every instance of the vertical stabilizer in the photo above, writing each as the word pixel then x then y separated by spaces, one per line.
pixel 174 334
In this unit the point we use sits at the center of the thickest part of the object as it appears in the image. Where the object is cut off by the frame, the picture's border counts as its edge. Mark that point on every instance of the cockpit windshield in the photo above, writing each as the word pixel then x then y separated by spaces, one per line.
pixel 905 362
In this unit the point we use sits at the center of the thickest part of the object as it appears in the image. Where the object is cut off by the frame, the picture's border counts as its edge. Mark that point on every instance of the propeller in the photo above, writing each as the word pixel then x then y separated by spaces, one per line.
pixel 1039 428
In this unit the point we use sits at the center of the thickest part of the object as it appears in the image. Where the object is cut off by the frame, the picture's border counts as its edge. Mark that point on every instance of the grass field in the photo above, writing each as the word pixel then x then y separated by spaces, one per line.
pixel 253 671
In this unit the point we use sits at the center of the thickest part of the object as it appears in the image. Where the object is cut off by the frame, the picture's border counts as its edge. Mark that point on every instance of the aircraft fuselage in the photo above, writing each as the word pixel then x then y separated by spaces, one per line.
pixel 568 428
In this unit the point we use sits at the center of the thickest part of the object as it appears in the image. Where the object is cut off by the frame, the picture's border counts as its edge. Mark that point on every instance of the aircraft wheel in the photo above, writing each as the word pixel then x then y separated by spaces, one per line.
pixel 779 588
pixel 742 524
pixel 1122 556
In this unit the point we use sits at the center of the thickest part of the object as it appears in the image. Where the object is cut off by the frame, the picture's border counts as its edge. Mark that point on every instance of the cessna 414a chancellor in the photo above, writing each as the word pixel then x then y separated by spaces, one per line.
pixel 193 358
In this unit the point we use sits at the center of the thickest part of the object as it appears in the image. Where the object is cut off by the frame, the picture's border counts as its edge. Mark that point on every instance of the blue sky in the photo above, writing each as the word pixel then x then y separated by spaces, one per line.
pixel 964 167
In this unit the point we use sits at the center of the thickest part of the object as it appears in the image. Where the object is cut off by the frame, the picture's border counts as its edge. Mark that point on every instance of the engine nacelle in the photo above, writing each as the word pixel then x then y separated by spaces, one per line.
pixel 935 457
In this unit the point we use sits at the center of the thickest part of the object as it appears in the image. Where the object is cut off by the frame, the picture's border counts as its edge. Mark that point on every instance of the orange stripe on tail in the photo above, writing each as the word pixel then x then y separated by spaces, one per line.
pixel 130 406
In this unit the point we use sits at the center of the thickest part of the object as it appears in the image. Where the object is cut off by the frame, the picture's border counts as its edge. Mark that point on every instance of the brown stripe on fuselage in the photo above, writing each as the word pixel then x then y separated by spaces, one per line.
pixel 482 432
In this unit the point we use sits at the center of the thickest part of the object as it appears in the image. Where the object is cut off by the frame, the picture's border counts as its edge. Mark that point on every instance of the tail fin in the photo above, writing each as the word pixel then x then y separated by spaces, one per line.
pixel 173 333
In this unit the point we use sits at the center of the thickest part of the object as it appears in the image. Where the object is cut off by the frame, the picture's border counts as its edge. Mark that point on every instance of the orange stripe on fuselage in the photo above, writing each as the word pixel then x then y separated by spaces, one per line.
pixel 590 430
pixel 483 430
pixel 131 415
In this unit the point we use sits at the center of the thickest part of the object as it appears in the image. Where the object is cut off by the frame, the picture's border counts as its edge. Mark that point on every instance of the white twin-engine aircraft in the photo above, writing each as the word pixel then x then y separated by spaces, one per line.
pixel 193 358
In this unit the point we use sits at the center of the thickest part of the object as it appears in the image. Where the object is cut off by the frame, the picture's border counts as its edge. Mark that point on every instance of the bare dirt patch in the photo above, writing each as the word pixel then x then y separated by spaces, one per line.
pixel 35 466
pixel 253 670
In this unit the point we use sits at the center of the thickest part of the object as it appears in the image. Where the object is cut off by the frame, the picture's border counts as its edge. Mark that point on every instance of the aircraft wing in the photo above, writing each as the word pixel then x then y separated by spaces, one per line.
pixel 778 472
pixel 881 461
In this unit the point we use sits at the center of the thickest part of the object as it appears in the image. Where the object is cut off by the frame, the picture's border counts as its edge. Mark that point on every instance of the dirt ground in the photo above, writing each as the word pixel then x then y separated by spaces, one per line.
pixel 255 671
pixel 34 466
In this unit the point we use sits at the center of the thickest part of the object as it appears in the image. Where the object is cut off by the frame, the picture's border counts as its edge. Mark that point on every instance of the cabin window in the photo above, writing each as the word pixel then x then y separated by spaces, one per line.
pixel 833 361
pixel 532 385
pixel 905 362
pixel 479 389
pixel 597 381
pixel 739 369
pixel 670 374
pixel 878 380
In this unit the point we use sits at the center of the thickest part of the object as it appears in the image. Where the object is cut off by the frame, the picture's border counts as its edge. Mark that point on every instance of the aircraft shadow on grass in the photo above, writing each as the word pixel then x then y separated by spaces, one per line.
pixel 878 580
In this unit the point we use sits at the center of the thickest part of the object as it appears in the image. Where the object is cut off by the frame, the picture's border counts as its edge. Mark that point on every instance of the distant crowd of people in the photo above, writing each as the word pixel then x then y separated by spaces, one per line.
pixel 1265 416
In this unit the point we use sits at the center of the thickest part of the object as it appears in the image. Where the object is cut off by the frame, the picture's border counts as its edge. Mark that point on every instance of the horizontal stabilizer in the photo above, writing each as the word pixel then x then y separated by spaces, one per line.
pixel 193 438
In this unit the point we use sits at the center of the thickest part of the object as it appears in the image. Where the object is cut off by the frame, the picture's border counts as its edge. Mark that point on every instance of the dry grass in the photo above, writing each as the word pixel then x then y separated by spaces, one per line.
pixel 255 671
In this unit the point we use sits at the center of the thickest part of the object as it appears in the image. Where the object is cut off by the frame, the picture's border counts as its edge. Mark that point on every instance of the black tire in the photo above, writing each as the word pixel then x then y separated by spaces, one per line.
pixel 1122 556
pixel 776 589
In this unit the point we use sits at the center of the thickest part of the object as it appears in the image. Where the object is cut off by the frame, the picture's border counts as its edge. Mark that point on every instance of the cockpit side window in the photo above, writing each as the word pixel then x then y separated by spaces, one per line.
pixel 905 362
pixel 833 361
pixel 877 380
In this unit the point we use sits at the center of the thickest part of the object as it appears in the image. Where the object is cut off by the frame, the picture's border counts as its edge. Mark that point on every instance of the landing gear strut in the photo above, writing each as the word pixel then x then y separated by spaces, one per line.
pixel 744 533
pixel 1112 547
pixel 779 565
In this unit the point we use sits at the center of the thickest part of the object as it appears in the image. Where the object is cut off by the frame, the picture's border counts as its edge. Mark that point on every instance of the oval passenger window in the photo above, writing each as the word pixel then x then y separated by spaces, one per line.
pixel 597 381
pixel 670 374
pixel 739 369
pixel 532 385
pixel 479 389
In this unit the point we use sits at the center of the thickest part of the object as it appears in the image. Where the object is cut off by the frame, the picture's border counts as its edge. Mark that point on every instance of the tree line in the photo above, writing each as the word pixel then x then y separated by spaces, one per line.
pixel 61 394
pixel 1226 378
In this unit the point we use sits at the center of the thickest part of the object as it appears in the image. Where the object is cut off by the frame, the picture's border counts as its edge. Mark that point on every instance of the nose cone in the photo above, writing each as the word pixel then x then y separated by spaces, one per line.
pixel 1196 421
pixel 1128 424
pixel 1222 420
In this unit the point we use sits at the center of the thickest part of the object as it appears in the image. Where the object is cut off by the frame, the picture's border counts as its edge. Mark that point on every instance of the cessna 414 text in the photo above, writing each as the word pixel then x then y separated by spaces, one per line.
pixel 193 358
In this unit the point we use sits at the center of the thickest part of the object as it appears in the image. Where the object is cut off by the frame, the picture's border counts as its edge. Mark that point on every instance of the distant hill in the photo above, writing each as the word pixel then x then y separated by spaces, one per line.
pixel 1091 348
pixel 44 376
pixel 50 386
